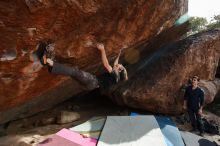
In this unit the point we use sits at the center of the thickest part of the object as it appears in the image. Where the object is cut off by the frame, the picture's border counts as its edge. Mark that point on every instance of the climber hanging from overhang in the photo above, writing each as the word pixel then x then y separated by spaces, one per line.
pixel 114 75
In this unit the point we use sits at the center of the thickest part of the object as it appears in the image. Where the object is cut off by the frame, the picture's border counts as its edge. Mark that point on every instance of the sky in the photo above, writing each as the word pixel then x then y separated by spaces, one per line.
pixel 204 8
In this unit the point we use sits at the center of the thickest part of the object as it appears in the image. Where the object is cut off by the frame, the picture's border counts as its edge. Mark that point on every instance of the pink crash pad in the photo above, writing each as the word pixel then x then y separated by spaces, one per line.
pixel 66 137
pixel 56 140
pixel 77 138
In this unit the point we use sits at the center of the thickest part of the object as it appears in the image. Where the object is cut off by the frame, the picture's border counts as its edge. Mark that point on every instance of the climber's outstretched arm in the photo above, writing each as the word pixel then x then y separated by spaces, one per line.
pixel 104 58
pixel 117 59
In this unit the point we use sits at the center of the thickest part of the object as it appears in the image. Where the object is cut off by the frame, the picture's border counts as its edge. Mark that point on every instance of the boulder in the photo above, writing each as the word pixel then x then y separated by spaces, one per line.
pixel 67 117
pixel 210 88
pixel 74 26
pixel 155 82
pixel 214 107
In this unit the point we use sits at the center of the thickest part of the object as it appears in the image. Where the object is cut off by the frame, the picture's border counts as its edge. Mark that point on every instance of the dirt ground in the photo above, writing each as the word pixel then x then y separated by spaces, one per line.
pixel 34 129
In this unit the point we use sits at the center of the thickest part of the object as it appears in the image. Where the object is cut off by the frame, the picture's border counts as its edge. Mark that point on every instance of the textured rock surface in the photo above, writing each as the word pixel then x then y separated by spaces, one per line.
pixel 215 107
pixel 74 26
pixel 211 89
pixel 156 81
pixel 67 117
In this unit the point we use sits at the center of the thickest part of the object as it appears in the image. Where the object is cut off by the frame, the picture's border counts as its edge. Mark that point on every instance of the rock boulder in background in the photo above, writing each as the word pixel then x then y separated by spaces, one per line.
pixel 155 81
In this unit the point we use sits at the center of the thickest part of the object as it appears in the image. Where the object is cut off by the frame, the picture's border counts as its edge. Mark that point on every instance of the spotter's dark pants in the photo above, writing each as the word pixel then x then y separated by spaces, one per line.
pixel 196 120
pixel 86 79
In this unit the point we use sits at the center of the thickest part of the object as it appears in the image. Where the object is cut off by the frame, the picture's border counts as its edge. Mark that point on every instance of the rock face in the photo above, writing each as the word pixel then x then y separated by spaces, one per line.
pixel 215 105
pixel 158 64
pixel 155 81
pixel 74 26
pixel 67 117
pixel 210 88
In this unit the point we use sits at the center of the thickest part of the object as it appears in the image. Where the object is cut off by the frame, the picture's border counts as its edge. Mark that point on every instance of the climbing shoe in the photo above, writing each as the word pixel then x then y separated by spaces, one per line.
pixel 45 51
pixel 41 53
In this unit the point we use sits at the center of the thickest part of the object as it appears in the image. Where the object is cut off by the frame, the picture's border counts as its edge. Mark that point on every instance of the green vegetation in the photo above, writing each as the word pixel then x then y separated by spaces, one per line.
pixel 215 23
pixel 199 24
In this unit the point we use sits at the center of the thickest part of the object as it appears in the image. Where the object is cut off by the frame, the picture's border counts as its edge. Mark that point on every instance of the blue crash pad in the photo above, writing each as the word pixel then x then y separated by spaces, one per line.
pixel 169 130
